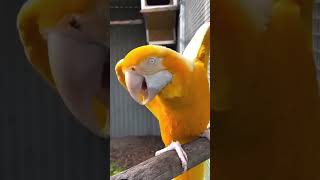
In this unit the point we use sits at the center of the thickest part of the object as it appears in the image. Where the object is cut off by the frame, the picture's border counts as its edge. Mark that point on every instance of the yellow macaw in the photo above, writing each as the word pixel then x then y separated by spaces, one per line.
pixel 175 88
pixel 67 43
pixel 266 101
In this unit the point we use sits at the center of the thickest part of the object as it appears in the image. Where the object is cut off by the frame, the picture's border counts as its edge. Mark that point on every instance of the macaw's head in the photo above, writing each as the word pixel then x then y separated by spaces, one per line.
pixel 66 41
pixel 147 70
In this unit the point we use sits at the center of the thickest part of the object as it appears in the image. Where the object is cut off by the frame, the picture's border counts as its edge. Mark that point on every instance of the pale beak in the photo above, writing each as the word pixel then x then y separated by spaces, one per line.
pixel 77 68
pixel 143 88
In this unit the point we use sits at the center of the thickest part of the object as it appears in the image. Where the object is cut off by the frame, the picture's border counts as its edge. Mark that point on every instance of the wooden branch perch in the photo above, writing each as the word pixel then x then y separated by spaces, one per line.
pixel 168 165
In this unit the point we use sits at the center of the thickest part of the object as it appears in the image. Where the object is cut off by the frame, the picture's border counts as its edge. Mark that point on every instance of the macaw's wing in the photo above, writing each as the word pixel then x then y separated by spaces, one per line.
pixel 198 48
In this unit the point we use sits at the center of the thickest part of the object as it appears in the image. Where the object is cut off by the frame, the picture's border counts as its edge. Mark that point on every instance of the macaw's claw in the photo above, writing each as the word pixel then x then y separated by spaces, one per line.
pixel 181 153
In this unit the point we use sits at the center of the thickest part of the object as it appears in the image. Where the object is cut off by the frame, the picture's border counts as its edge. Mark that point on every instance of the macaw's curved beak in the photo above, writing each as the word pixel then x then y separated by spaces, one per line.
pixel 78 69
pixel 143 88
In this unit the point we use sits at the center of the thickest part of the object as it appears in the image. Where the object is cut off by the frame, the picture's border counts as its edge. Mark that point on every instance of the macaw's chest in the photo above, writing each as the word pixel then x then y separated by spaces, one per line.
pixel 181 122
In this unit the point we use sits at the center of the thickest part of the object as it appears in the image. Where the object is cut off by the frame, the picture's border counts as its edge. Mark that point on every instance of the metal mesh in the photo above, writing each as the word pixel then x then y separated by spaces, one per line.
pixel 197 12
pixel 192 15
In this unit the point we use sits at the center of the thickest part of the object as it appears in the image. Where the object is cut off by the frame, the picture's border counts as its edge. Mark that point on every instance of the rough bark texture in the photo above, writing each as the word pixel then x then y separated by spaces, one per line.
pixel 168 165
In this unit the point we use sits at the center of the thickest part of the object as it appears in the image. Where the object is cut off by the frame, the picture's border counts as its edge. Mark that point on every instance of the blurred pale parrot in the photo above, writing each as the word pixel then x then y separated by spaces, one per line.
pixel 66 41
pixel 265 94
pixel 175 88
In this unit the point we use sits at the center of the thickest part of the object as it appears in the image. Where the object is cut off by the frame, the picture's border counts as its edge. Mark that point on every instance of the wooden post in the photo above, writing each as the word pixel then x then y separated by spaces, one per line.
pixel 168 165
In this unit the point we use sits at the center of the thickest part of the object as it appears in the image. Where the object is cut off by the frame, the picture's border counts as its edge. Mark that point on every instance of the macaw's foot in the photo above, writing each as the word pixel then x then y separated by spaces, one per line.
pixel 206 133
pixel 182 155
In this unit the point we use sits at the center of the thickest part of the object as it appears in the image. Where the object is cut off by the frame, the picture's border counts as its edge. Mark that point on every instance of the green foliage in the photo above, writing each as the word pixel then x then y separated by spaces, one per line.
pixel 115 169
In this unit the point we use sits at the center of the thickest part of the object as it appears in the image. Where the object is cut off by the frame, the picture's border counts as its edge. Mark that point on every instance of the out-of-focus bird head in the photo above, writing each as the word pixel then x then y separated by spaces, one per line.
pixel 66 41
pixel 147 70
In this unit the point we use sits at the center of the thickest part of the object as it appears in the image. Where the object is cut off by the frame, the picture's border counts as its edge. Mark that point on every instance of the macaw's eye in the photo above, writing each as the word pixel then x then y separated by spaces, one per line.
pixel 74 23
pixel 153 60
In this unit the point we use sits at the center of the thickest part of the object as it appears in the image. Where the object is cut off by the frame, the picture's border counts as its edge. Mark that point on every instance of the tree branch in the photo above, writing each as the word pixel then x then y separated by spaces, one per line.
pixel 168 165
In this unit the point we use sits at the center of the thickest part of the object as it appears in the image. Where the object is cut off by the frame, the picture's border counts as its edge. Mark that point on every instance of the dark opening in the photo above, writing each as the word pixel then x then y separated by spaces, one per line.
pixel 144 85
pixel 157 2
pixel 75 24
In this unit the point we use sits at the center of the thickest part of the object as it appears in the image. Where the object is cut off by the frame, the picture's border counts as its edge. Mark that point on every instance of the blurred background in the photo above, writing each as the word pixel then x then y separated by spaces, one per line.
pixel 316 37
pixel 40 139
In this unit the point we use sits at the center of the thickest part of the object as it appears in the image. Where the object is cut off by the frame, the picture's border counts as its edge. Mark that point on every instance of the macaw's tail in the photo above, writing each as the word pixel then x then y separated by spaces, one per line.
pixel 195 173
